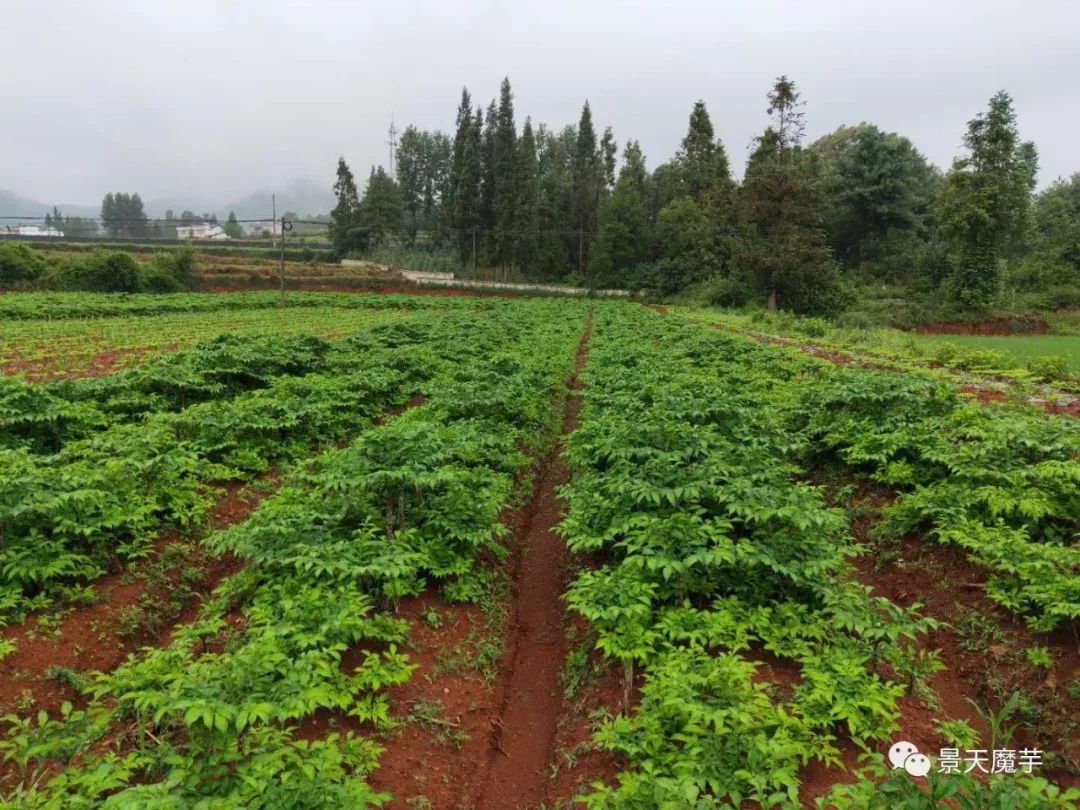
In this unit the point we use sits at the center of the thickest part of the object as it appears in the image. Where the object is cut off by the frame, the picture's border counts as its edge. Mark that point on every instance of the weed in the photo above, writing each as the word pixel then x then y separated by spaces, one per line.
pixel 1040 657
pixel 958 733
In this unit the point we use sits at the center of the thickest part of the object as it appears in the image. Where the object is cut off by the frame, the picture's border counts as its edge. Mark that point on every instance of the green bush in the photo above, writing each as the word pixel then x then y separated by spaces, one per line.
pixel 179 265
pixel 1050 368
pixel 1063 296
pixel 814 327
pixel 101 271
pixel 20 262
pixel 155 279
pixel 726 292
pixel 982 360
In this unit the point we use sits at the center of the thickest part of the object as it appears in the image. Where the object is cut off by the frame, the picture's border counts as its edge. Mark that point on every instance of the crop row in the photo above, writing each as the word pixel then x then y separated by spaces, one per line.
pixel 39 306
pixel 720 567
pixel 135 451
pixel 1001 482
pixel 57 348
pixel 224 716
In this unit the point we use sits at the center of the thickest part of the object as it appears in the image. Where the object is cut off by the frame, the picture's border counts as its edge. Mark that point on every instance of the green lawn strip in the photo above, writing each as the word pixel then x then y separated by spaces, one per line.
pixel 964 358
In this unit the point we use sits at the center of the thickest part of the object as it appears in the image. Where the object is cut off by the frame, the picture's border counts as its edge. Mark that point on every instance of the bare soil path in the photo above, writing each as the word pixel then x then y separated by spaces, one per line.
pixel 522 740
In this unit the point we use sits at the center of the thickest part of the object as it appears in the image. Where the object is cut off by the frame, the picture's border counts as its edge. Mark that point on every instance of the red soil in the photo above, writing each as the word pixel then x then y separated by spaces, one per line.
pixel 46 369
pixel 1036 327
pixel 489 744
pixel 950 587
pixel 90 637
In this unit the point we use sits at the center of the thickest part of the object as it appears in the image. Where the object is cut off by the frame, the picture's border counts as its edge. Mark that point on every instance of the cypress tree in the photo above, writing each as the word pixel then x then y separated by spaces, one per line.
pixel 345 230
pixel 985 202
pixel 587 173
pixel 526 215
pixel 504 160
pixel 467 198
pixel 487 176
pixel 462 124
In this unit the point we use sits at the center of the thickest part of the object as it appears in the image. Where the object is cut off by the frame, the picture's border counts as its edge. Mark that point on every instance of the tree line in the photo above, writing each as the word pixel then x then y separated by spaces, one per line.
pixel 808 226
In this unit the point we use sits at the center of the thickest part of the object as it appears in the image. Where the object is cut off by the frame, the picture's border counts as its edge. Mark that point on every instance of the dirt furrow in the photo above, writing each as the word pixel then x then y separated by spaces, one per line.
pixel 522 738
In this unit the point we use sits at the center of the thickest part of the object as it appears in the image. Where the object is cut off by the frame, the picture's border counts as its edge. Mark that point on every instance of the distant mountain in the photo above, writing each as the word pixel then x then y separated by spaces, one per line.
pixel 15 205
pixel 301 196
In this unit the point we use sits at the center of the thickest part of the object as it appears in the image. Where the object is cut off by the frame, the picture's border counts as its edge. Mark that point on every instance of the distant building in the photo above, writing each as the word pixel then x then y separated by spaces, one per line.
pixel 268 226
pixel 34 230
pixel 203 230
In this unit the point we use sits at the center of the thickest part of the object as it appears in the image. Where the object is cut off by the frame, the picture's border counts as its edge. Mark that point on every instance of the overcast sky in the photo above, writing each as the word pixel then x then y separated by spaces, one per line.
pixel 213 100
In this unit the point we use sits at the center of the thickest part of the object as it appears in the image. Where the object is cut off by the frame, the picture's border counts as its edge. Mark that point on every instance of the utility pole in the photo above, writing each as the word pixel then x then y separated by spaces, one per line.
pixel 285 226
pixel 273 216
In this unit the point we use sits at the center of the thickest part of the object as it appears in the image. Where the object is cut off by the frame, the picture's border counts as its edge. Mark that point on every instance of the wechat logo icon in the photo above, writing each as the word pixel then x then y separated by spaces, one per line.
pixel 905 755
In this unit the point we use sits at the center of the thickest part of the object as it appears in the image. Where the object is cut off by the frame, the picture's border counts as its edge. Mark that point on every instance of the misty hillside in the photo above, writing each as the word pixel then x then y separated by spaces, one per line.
pixel 15 205
pixel 301 196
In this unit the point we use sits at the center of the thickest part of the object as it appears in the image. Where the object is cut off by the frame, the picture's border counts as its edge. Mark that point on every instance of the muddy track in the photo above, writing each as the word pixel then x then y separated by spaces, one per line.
pixel 515 773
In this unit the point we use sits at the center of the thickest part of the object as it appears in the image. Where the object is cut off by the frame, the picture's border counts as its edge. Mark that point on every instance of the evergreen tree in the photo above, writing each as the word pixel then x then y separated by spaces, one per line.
pixel 381 208
pixel 879 185
pixel 409 163
pixel 468 199
pixel 231 227
pixel 682 234
pixel 346 230
pixel 504 162
pixel 588 176
pixel 621 235
pixel 703 159
pixel 122 215
pixel 633 168
pixel 782 202
pixel 438 159
pixel 462 124
pixel 487 177
pixel 526 204
pixel 557 242
pixel 985 203
pixel 608 150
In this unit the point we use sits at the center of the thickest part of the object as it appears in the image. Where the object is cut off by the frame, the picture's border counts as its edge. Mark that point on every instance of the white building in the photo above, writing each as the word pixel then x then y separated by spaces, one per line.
pixel 36 230
pixel 202 230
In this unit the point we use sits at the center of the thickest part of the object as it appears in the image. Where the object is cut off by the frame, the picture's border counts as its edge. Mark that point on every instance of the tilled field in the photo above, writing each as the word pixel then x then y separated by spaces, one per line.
pixel 482 553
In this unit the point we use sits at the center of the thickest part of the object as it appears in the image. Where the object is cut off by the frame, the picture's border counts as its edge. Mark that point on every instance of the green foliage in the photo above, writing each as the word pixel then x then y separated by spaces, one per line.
pixel 879 184
pixel 102 271
pixel 984 203
pixel 19 262
pixel 716 554
pixel 782 206
pixel 958 733
pixel 413 500
pixel 1050 369
pixel 878 788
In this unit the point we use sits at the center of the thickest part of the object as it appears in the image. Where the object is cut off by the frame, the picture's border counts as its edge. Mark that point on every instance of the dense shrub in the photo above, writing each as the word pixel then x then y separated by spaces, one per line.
pixel 155 279
pixel 727 292
pixel 101 271
pixel 1063 296
pixel 1051 368
pixel 19 262
pixel 179 265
